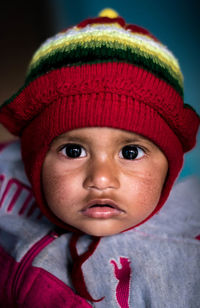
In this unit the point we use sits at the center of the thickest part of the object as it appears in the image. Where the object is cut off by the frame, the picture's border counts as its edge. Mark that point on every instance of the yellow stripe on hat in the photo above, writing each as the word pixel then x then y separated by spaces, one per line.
pixel 118 40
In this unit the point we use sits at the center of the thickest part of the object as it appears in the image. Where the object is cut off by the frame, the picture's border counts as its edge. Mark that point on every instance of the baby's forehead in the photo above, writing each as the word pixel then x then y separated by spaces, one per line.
pixel 100 133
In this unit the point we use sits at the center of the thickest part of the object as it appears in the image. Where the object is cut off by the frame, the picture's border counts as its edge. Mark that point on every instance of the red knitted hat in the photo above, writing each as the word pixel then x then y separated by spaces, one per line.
pixel 104 73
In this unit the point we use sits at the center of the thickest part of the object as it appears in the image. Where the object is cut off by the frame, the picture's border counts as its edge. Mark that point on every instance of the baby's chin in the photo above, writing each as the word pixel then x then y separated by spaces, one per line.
pixel 101 234
pixel 104 232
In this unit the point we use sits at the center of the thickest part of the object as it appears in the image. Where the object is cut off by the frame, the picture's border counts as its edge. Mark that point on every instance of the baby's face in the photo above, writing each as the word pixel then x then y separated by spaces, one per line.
pixel 102 180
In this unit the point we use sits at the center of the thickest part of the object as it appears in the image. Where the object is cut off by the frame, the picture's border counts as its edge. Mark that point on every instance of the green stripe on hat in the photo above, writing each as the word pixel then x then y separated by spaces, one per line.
pixel 77 54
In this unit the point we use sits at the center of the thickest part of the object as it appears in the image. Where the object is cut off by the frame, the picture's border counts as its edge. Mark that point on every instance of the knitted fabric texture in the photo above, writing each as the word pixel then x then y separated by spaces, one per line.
pixel 106 73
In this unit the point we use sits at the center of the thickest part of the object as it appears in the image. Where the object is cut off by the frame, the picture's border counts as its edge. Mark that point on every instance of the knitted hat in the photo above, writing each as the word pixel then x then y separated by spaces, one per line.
pixel 104 73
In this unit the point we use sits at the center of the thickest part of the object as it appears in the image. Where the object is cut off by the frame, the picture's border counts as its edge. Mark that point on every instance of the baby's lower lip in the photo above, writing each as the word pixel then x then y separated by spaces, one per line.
pixel 101 212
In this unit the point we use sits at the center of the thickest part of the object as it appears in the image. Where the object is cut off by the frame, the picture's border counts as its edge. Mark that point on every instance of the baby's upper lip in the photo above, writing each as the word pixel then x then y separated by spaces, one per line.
pixel 101 202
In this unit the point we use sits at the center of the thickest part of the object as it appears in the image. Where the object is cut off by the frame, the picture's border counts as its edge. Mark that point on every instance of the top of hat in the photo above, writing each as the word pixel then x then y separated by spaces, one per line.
pixel 107 38
pixel 108 12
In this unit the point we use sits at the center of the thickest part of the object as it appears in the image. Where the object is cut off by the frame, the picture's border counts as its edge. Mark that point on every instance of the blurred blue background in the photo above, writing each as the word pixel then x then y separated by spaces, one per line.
pixel 175 23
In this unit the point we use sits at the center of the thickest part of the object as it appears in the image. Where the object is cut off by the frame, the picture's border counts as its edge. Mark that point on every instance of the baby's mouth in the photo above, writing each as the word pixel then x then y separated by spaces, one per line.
pixel 102 205
pixel 102 208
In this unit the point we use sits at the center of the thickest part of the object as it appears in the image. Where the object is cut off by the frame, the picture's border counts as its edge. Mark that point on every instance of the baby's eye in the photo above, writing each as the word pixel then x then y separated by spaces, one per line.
pixel 131 152
pixel 72 150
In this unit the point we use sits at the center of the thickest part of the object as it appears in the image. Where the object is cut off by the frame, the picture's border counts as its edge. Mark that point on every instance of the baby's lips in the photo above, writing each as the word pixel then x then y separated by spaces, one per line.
pixel 102 209
pixel 102 203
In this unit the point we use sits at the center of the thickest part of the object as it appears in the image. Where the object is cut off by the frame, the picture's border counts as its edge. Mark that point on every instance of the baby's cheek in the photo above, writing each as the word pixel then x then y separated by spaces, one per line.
pixel 154 189
pixel 147 190
pixel 151 194
pixel 51 187
pixel 60 194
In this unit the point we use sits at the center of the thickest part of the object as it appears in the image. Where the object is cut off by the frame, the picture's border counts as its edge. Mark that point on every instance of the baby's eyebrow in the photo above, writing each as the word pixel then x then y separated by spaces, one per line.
pixel 85 138
pixel 133 139
pixel 69 138
pixel 120 140
pixel 137 140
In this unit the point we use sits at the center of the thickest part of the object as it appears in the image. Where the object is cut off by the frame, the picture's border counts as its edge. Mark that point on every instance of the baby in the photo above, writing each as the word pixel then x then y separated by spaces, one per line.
pixel 103 130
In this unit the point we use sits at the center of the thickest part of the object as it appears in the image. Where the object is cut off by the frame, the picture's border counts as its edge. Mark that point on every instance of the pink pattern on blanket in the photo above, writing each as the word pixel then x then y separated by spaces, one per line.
pixel 122 274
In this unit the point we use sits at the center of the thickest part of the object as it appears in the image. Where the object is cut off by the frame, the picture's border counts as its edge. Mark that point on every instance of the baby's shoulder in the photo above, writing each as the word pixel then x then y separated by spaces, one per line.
pixel 11 164
pixel 16 196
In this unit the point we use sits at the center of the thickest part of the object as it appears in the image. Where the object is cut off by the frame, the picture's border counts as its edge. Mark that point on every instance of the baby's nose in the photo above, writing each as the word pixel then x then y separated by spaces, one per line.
pixel 102 175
